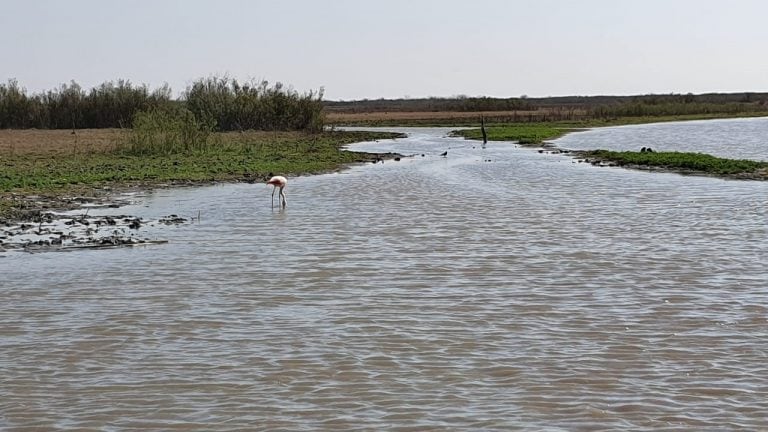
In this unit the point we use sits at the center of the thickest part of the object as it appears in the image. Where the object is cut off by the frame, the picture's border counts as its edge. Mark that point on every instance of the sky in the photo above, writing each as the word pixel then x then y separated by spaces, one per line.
pixel 395 48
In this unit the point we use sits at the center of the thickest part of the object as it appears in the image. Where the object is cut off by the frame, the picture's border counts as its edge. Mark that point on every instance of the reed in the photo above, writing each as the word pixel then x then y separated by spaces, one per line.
pixel 165 131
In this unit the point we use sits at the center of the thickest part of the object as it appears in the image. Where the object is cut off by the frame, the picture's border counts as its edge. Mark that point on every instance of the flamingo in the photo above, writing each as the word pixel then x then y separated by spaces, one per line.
pixel 278 182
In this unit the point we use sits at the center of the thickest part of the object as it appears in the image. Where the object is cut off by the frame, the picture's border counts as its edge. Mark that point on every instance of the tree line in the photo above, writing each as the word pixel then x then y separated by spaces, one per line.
pixel 559 108
pixel 222 102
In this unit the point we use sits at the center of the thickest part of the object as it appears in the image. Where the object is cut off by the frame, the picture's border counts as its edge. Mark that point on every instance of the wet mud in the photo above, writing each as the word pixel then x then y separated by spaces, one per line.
pixel 51 231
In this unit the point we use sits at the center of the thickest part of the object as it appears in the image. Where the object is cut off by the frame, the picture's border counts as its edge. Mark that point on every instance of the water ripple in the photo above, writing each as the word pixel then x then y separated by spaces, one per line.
pixel 526 293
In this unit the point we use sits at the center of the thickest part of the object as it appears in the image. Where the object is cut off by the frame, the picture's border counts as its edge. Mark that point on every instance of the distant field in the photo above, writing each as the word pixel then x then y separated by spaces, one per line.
pixel 60 141
pixel 442 116
pixel 36 142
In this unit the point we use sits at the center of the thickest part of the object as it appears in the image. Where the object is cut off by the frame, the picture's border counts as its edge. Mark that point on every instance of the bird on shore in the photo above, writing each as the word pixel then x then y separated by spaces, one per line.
pixel 444 154
pixel 278 182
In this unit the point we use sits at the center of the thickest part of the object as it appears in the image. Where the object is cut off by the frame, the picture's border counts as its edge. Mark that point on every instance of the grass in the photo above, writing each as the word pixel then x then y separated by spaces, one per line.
pixel 683 161
pixel 524 133
pixel 239 156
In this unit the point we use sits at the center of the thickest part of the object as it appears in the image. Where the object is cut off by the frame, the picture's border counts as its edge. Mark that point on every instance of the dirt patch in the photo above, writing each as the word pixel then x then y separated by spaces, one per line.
pixel 55 142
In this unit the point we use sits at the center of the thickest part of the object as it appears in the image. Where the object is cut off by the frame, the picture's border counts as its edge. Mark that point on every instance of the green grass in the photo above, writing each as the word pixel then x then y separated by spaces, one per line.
pixel 236 157
pixel 524 133
pixel 680 161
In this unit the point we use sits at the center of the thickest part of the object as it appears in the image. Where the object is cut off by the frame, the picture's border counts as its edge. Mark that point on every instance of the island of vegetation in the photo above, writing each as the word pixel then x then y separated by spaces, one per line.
pixel 65 145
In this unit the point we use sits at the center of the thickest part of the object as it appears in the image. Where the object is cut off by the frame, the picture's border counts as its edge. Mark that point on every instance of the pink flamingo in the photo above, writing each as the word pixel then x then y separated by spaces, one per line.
pixel 278 182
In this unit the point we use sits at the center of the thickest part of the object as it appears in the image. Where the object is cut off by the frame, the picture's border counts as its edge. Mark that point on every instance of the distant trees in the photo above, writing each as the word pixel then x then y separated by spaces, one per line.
pixel 568 108
pixel 672 105
pixel 221 101
pixel 69 106
pixel 457 103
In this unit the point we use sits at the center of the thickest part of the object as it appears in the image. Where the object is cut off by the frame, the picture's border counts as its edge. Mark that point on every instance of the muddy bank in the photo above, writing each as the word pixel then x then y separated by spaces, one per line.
pixel 53 231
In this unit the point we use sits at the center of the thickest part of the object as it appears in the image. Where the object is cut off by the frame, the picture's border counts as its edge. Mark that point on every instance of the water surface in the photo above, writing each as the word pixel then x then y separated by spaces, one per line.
pixel 493 289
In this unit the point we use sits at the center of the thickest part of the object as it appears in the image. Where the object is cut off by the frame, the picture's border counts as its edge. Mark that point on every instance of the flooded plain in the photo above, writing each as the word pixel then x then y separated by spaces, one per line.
pixel 495 288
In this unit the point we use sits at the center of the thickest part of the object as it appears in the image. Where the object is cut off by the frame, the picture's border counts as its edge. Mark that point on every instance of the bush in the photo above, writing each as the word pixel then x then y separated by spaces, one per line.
pixel 254 105
pixel 168 130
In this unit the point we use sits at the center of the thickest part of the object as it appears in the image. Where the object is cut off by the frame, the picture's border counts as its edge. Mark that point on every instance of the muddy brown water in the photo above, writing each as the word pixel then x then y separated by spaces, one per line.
pixel 493 289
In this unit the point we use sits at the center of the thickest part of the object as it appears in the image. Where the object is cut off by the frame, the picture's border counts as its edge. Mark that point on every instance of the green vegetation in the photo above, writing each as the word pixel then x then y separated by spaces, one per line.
pixel 679 161
pixel 163 131
pixel 524 133
pixel 230 105
pixel 237 156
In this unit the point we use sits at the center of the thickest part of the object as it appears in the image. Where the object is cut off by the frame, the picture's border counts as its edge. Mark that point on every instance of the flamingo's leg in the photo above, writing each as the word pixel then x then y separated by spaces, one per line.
pixel 274 188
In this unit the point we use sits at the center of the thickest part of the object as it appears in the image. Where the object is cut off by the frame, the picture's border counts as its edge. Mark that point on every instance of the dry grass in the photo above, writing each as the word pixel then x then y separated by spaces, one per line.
pixel 450 117
pixel 339 117
pixel 36 142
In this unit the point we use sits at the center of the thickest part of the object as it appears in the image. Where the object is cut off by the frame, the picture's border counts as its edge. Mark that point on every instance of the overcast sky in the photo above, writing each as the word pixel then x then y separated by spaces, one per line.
pixel 359 49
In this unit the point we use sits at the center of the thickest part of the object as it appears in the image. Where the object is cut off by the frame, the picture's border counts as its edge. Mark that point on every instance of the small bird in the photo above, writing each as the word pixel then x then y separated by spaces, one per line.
pixel 444 154
pixel 278 182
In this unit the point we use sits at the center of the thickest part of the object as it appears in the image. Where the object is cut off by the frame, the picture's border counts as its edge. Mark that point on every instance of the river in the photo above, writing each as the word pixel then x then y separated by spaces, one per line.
pixel 495 288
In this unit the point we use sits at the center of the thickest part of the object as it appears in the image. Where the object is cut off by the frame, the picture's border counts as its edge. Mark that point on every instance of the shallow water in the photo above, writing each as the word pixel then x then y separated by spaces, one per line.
pixel 494 289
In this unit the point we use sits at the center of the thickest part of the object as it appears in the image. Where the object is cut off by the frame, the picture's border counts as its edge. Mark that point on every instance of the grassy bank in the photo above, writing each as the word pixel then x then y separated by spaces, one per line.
pixel 694 163
pixel 524 133
pixel 57 164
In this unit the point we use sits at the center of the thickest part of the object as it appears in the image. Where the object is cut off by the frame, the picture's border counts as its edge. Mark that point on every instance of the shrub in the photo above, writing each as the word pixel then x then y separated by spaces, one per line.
pixel 168 130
